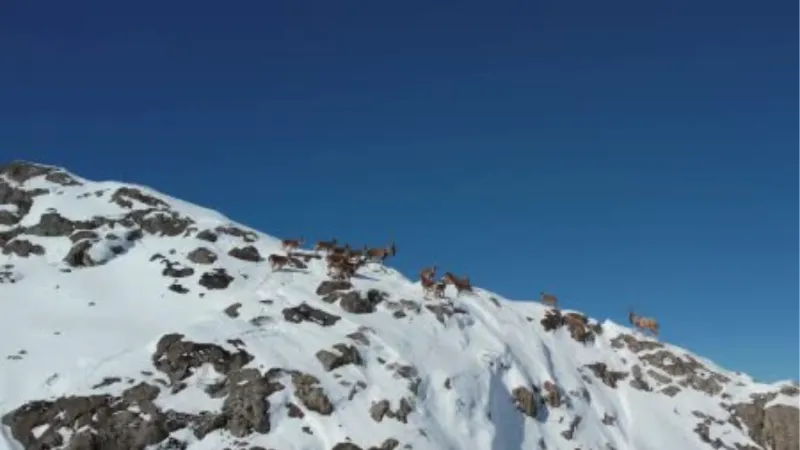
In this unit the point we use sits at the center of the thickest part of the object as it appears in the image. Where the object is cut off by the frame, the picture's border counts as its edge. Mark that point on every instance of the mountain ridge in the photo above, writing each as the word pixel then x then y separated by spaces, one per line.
pixel 167 321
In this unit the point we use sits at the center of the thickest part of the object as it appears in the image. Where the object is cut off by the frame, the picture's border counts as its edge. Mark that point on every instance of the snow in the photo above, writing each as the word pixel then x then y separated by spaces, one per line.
pixel 70 330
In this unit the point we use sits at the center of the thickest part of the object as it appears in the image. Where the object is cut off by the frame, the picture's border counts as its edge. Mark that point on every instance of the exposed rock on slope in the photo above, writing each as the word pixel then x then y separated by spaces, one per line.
pixel 133 320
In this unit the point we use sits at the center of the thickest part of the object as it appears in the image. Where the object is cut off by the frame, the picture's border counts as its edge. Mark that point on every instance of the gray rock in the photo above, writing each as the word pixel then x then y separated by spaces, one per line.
pixel 125 196
pixel 609 377
pixel 52 224
pixel 689 369
pixel 353 302
pixel 23 248
pixel 202 255
pixel 78 255
pixel 329 286
pixel 306 313
pixel 174 269
pixel 345 446
pixel 378 410
pixel 776 426
pixel 310 394
pixel 177 358
pixel 22 171
pixel 216 279
pixel 346 354
pixel 569 433
pixel 207 235
pixel 634 344
pixel 248 253
pixel 638 381
pixel 9 218
pixel 247 236
pixel 83 234
pixel 232 311
pixel 671 390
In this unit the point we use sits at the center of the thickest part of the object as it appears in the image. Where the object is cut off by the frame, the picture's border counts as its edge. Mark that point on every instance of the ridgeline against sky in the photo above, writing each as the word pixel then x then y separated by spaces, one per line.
pixel 619 155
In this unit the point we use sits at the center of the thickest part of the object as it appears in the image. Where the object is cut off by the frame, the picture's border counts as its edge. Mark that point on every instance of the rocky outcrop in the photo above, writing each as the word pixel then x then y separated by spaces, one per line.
pixel 354 302
pixel 248 253
pixel 692 373
pixel 609 377
pixel 126 197
pixel 216 279
pixel 78 255
pixel 23 248
pixel 247 236
pixel 177 358
pixel 132 420
pixel 444 311
pixel 22 171
pixel 202 255
pixel 383 408
pixel 310 394
pixel 578 325
pixel 775 426
pixel 305 313
pixel 207 235
pixel 344 354
pixel 329 286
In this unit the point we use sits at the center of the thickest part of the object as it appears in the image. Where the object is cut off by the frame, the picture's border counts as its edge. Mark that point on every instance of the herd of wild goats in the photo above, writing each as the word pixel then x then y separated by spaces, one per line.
pixel 344 261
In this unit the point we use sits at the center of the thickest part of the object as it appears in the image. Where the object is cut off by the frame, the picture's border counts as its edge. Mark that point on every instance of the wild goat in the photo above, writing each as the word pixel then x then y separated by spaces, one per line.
pixel 277 262
pixel 462 285
pixel 353 253
pixel 432 287
pixel 292 244
pixel 428 272
pixel 643 323
pixel 380 254
pixel 325 245
pixel 340 250
pixel 344 269
pixel 548 299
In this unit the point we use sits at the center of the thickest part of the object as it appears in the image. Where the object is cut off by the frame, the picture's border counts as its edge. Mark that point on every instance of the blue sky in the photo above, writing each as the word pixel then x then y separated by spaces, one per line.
pixel 616 154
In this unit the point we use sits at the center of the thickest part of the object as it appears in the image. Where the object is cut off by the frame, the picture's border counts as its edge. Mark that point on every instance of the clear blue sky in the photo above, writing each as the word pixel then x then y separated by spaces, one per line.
pixel 615 153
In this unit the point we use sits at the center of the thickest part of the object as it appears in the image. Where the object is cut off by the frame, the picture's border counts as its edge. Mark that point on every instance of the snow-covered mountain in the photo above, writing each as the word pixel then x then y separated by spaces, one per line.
pixel 133 320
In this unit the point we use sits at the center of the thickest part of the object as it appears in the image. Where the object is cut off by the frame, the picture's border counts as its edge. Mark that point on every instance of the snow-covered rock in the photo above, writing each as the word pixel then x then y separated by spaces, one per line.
pixel 133 320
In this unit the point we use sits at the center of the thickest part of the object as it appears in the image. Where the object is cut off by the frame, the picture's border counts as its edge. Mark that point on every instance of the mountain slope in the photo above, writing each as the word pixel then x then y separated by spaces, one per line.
pixel 131 319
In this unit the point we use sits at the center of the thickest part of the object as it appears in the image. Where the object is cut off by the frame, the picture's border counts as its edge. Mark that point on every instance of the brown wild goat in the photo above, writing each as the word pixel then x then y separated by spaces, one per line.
pixel 325 245
pixel 427 285
pixel 277 262
pixel 340 250
pixel 380 254
pixel 462 285
pixel 428 272
pixel 343 269
pixel 352 253
pixel 292 244
pixel 332 258
pixel 432 287
pixel 643 323
pixel 548 299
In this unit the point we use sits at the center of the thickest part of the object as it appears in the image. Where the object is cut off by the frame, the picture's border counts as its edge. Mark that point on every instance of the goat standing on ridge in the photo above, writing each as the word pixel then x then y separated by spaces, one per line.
pixel 278 262
pixel 461 285
pixel 548 299
pixel 292 244
pixel 380 254
pixel 328 246
pixel 643 323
